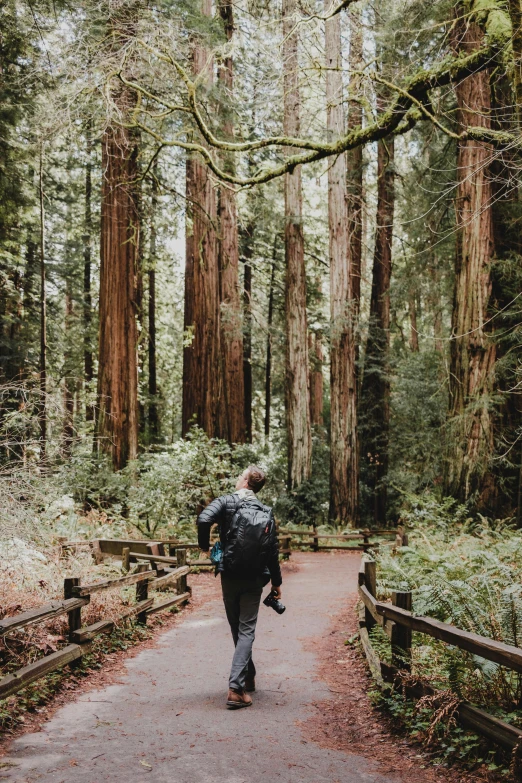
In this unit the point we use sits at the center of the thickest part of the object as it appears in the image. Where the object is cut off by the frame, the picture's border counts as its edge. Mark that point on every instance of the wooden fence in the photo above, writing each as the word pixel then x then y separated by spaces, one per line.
pixel 154 572
pixel 398 622
pixel 288 539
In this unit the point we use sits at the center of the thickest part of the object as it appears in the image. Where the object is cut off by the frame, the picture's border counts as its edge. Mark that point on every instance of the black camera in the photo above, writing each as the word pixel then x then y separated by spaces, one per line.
pixel 274 603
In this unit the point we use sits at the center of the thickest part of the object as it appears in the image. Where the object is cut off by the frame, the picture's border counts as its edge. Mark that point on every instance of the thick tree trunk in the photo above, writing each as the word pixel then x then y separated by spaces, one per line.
pixel 354 162
pixel 345 237
pixel 297 377
pixel 43 319
pixel 231 320
pixel 88 363
pixel 472 350
pixel 375 396
pixel 202 377
pixel 153 418
pixel 117 410
pixel 315 351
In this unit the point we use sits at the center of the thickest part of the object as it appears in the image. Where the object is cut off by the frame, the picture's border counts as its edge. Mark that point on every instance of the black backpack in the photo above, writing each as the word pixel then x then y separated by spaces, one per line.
pixel 248 539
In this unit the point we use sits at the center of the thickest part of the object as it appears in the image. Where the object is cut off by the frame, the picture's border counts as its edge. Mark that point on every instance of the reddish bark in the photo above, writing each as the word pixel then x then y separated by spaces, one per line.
pixel 230 309
pixel 354 162
pixel 202 379
pixel 117 410
pixel 344 245
pixel 297 378
pixel 472 350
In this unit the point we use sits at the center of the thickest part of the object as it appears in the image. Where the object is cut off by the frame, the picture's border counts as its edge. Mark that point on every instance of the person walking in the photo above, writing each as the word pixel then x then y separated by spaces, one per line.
pixel 250 559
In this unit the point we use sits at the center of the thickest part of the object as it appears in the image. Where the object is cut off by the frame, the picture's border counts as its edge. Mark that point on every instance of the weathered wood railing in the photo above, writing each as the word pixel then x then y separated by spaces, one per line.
pixel 398 622
pixel 129 549
pixel 326 541
pixel 76 596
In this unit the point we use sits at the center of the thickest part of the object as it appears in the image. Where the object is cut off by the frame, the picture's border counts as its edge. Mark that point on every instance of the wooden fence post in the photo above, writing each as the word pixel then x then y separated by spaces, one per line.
pixel 75 616
pixel 125 559
pixel 401 636
pixel 181 560
pixel 315 545
pixel 142 593
pixel 370 580
pixel 285 548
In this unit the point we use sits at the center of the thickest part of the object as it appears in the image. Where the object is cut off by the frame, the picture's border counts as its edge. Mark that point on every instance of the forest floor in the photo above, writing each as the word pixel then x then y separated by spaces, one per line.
pixel 159 713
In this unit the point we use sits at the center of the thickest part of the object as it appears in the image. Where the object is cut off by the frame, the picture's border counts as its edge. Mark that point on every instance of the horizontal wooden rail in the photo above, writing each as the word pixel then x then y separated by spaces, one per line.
pixel 155 558
pixel 40 614
pixel 57 660
pixel 168 602
pixel 175 574
pixel 107 584
pixel 470 717
pixel 105 626
pixel 498 652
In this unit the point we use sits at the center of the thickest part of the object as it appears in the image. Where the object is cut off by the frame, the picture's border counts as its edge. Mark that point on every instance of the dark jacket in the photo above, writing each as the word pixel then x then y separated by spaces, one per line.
pixel 221 511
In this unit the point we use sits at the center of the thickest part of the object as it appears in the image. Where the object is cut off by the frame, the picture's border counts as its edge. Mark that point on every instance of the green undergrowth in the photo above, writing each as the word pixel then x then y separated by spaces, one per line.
pixel 466 571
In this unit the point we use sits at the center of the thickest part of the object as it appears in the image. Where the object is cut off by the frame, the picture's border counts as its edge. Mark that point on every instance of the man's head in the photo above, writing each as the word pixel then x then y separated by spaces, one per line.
pixel 252 478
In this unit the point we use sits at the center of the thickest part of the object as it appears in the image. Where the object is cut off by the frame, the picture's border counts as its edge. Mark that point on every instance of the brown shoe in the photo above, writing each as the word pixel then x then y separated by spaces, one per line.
pixel 237 699
pixel 250 684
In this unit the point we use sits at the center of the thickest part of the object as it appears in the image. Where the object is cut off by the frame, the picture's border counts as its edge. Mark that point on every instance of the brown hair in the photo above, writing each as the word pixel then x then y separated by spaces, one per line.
pixel 256 478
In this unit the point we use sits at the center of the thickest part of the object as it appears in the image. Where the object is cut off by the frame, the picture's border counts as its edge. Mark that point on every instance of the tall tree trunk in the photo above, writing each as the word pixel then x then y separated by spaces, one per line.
pixel 202 377
pixel 43 317
pixel 472 350
pixel 344 467
pixel 247 344
pixel 315 350
pixel 153 419
pixel 268 367
pixel 297 371
pixel 88 363
pixel 231 321
pixel 354 162
pixel 117 410
pixel 375 394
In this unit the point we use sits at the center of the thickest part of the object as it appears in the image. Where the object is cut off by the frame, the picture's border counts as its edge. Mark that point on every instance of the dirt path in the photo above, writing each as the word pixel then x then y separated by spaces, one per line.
pixel 164 720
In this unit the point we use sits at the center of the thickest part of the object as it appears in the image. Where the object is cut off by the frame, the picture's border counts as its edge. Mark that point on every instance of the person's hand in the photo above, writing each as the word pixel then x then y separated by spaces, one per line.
pixel 276 592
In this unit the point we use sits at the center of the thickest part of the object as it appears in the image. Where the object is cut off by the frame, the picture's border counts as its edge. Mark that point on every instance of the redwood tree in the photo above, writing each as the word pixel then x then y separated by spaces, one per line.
pixel 354 161
pixel 344 469
pixel 230 310
pixel 472 350
pixel 297 377
pixel 375 394
pixel 202 386
pixel 117 409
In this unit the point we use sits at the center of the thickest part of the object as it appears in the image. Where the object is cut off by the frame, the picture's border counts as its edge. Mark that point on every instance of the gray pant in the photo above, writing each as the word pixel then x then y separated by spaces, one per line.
pixel 241 598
